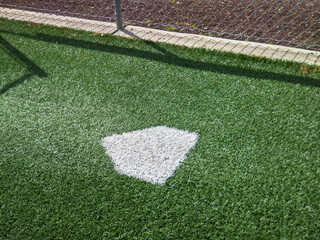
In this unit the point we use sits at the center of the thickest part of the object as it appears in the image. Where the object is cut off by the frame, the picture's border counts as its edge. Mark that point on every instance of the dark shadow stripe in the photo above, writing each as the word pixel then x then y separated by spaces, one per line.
pixel 170 58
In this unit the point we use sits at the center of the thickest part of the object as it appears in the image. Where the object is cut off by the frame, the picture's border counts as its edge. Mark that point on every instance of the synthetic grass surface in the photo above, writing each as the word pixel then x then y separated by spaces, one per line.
pixel 254 173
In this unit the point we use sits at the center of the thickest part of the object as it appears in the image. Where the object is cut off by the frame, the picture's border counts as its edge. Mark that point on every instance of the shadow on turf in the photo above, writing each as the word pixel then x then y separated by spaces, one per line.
pixel 170 58
pixel 32 68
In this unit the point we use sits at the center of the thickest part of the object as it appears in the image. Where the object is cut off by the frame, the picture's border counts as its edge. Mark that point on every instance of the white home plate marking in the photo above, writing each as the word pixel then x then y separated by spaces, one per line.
pixel 151 154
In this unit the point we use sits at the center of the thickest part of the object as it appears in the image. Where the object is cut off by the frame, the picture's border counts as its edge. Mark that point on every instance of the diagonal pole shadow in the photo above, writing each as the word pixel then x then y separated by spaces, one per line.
pixel 167 57
pixel 16 82
pixel 150 43
pixel 32 68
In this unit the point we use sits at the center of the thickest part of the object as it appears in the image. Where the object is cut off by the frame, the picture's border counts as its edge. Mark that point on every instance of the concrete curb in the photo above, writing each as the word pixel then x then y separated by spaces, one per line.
pixel 226 45
pixel 182 39
pixel 59 21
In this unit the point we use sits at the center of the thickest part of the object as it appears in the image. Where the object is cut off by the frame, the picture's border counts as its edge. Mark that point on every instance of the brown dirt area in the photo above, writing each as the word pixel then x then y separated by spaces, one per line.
pixel 292 23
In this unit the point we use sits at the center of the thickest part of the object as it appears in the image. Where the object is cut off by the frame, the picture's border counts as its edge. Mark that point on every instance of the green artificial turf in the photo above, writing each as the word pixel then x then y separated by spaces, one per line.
pixel 253 174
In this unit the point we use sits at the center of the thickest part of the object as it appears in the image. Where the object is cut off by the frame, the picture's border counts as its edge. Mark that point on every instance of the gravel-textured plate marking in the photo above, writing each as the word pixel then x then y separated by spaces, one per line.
pixel 151 154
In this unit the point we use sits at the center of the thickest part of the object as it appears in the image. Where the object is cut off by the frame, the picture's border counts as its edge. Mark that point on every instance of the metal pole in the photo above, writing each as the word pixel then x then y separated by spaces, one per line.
pixel 117 4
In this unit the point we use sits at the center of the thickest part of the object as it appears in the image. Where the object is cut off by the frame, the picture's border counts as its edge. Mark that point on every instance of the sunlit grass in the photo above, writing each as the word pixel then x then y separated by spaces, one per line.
pixel 254 173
